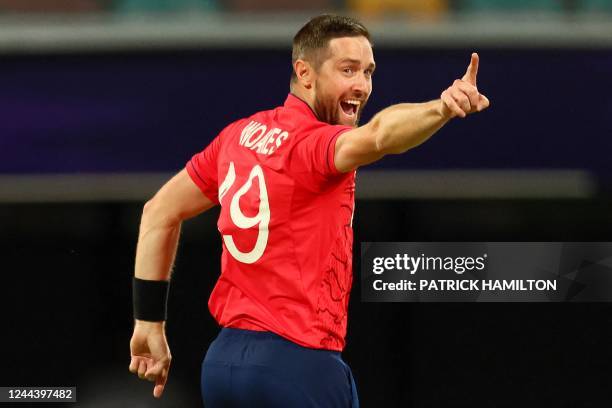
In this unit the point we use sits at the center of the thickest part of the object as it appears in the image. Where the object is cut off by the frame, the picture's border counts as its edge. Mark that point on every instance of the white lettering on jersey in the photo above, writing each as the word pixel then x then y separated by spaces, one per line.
pixel 258 133
pixel 227 183
pixel 280 139
pixel 254 137
pixel 247 131
pixel 264 141
pixel 242 221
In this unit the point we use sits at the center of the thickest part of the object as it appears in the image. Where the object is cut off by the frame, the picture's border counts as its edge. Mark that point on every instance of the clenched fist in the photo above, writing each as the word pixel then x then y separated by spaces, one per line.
pixel 462 97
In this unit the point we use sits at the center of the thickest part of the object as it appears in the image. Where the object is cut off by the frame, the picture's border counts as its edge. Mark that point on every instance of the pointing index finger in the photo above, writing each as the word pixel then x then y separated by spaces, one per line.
pixel 472 70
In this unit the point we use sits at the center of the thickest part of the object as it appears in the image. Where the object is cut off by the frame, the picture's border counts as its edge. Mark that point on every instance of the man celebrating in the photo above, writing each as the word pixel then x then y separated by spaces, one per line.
pixel 285 180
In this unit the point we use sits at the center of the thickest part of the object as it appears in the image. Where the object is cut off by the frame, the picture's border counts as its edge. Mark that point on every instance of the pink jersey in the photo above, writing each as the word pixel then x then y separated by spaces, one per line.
pixel 285 223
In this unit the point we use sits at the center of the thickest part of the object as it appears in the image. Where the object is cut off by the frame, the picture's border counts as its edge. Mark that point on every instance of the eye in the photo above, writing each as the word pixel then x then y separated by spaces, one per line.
pixel 369 72
pixel 347 70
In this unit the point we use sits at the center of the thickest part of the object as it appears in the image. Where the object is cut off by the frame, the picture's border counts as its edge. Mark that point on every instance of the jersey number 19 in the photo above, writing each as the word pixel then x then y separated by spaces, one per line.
pixel 242 221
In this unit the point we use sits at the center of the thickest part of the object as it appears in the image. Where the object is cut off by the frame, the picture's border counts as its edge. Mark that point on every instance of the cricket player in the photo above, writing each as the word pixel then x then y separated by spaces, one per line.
pixel 285 181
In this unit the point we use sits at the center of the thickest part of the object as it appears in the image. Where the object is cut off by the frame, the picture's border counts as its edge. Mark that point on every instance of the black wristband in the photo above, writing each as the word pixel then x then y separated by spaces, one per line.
pixel 150 299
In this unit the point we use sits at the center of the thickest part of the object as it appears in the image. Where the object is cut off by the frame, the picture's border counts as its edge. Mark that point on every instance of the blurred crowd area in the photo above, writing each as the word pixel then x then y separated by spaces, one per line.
pixel 431 8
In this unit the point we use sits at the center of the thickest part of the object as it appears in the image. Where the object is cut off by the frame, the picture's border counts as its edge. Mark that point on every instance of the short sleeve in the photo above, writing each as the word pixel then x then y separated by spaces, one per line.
pixel 202 168
pixel 312 158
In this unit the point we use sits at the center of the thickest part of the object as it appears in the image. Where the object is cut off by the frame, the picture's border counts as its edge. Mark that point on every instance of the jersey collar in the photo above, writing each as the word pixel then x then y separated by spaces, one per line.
pixel 295 103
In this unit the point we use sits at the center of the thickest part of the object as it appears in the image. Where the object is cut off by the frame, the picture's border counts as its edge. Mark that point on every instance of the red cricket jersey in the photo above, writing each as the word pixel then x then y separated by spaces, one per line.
pixel 286 225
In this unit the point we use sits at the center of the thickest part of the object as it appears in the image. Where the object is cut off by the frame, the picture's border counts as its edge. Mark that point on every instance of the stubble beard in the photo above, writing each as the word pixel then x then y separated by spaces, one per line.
pixel 327 109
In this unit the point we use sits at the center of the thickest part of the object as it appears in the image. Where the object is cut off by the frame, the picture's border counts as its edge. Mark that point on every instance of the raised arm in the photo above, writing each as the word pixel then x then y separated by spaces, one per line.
pixel 401 127
pixel 178 200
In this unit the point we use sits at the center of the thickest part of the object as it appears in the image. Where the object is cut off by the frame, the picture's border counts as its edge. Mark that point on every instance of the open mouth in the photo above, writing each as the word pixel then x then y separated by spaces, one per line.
pixel 350 107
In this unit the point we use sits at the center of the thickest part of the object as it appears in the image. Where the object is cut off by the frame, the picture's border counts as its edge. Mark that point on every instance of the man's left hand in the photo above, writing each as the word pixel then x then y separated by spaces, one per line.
pixel 463 97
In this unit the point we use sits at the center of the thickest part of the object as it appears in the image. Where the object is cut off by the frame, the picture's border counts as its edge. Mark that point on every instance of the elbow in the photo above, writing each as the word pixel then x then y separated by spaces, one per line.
pixel 150 209
pixel 156 213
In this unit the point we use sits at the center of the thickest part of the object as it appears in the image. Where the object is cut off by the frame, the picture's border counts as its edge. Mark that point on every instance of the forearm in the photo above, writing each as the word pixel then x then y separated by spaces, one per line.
pixel 403 126
pixel 157 244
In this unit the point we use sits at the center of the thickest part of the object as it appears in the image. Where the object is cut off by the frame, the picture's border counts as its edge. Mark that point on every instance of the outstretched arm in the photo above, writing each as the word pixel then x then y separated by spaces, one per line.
pixel 178 200
pixel 401 127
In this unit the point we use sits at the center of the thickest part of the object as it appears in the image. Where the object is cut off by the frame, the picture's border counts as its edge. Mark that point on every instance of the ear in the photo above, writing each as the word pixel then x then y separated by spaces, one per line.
pixel 304 72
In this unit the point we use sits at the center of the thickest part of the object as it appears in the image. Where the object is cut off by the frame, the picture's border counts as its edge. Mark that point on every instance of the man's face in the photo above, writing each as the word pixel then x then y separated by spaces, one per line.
pixel 344 81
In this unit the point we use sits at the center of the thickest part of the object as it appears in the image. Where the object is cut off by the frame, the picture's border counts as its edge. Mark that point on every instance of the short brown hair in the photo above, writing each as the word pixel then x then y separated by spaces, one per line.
pixel 316 34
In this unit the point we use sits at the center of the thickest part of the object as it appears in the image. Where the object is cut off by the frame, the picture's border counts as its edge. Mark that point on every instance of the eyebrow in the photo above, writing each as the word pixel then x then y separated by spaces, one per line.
pixel 372 65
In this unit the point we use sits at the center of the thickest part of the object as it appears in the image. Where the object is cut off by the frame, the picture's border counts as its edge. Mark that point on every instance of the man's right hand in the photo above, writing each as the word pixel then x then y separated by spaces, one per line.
pixel 150 354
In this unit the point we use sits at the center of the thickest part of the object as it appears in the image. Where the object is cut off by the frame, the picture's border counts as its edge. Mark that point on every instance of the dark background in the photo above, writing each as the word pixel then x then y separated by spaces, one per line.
pixel 150 111
pixel 67 266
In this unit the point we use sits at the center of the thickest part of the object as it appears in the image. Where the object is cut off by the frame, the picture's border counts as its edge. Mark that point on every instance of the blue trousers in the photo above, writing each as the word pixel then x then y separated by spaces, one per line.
pixel 245 368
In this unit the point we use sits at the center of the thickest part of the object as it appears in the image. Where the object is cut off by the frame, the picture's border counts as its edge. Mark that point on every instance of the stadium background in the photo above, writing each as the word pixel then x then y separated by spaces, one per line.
pixel 101 101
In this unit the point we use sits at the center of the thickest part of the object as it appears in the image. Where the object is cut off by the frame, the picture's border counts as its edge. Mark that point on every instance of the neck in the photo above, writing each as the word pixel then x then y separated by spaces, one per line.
pixel 307 95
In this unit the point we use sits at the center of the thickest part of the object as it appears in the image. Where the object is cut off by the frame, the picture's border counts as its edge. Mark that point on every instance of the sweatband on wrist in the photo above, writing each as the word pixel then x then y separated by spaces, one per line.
pixel 150 299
